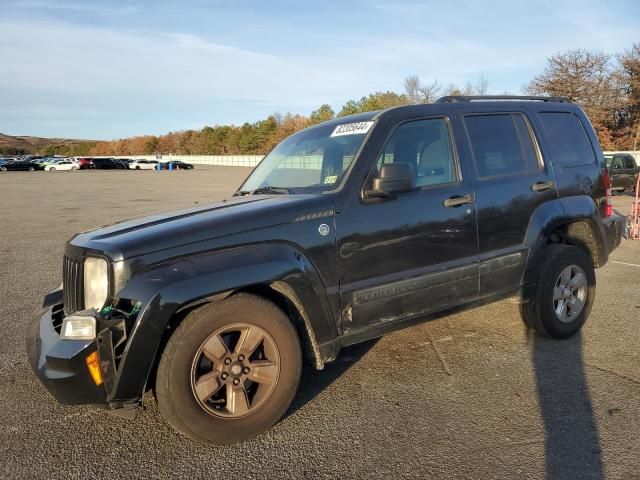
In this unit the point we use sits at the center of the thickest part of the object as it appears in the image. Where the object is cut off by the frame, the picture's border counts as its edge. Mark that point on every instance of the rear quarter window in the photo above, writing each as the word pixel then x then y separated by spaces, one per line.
pixel 567 140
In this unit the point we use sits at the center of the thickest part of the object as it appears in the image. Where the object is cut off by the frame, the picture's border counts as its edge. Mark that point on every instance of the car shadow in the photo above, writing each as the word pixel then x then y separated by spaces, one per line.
pixel 572 444
pixel 314 382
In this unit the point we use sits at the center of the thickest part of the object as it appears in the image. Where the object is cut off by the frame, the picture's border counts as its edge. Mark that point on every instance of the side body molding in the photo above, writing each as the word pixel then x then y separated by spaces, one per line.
pixel 166 287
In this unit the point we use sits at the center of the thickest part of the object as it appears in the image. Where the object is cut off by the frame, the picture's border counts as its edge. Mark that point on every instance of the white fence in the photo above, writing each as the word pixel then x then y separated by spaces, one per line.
pixel 224 160
pixel 253 160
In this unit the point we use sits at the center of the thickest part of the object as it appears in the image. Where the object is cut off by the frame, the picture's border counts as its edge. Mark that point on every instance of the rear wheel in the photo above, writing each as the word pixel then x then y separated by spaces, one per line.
pixel 230 370
pixel 74 168
pixel 31 169
pixel 561 301
pixel 52 169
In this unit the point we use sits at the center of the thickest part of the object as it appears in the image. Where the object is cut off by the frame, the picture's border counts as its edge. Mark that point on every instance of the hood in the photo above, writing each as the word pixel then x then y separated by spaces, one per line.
pixel 173 229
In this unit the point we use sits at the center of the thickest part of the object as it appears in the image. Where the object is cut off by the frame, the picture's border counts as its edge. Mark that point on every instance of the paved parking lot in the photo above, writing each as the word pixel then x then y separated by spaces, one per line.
pixel 473 395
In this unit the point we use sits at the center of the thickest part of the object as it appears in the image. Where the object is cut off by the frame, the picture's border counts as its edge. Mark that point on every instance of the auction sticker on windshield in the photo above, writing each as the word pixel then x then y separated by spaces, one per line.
pixel 356 128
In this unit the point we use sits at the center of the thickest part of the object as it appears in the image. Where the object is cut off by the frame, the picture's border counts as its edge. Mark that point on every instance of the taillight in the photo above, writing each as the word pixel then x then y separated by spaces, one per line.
pixel 608 208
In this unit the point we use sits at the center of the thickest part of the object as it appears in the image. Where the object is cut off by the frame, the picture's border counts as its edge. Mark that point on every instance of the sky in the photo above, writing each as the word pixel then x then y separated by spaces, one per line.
pixel 113 69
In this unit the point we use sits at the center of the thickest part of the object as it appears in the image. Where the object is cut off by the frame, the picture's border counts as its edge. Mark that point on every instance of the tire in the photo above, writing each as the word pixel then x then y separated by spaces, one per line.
pixel 31 169
pixel 137 167
pixel 539 311
pixel 209 417
pixel 52 169
pixel 74 169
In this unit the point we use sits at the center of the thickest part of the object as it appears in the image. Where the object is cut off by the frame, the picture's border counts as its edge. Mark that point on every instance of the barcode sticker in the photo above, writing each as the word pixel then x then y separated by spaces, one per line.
pixel 356 128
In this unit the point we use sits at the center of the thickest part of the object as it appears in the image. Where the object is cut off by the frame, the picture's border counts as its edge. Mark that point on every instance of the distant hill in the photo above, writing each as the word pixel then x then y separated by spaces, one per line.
pixel 10 144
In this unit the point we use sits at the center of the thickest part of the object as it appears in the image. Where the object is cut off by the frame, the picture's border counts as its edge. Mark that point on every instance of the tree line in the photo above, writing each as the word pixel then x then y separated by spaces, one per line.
pixel 606 86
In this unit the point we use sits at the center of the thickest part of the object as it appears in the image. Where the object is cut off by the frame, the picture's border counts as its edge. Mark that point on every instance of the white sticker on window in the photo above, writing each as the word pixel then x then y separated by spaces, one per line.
pixel 330 179
pixel 356 128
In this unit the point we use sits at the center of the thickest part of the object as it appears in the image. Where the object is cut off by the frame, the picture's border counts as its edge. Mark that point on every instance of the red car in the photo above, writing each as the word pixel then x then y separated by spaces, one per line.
pixel 84 163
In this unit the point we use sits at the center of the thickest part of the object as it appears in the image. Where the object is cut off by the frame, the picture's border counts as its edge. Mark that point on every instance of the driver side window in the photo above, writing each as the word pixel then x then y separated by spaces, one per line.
pixel 426 146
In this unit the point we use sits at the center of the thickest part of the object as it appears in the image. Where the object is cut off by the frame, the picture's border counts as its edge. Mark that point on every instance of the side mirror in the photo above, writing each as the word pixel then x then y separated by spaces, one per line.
pixel 393 178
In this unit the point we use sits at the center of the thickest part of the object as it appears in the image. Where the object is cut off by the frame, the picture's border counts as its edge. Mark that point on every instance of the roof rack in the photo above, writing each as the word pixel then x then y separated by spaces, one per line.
pixel 472 98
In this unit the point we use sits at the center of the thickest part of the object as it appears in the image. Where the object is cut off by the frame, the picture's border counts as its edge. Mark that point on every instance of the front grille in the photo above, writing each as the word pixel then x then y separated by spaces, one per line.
pixel 72 284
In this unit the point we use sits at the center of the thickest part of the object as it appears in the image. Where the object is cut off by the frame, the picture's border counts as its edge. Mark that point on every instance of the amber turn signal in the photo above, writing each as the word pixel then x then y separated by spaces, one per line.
pixel 93 364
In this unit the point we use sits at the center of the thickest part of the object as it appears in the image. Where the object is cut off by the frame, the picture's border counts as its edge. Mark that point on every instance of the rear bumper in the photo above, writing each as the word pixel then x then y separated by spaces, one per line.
pixel 614 228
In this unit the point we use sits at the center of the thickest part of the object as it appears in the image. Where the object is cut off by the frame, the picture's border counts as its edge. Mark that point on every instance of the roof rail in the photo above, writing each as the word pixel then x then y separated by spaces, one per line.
pixel 472 98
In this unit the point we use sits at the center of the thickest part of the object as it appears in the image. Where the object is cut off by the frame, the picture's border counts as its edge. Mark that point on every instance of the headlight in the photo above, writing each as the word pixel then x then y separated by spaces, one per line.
pixel 96 283
pixel 78 328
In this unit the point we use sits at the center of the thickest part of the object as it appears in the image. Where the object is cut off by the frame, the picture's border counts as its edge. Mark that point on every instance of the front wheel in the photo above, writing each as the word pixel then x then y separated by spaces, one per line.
pixel 74 168
pixel 230 370
pixel 52 169
pixel 562 298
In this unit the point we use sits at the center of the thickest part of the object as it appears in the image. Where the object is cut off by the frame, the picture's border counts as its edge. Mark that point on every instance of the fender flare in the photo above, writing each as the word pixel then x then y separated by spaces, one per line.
pixel 551 216
pixel 166 288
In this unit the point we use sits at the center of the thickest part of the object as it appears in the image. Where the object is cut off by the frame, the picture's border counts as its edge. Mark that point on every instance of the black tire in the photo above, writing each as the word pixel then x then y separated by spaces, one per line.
pixel 538 311
pixel 137 167
pixel 52 169
pixel 31 169
pixel 175 394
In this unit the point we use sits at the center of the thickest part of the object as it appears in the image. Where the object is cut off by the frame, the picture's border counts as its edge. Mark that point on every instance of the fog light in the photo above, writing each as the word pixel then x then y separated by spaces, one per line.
pixel 78 328
pixel 93 364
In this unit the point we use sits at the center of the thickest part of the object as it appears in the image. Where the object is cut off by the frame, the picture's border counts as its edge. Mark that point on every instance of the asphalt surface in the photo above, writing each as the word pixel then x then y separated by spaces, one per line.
pixel 473 395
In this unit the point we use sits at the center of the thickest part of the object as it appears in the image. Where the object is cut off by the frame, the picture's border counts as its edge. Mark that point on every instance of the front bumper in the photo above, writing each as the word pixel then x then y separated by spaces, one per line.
pixel 61 364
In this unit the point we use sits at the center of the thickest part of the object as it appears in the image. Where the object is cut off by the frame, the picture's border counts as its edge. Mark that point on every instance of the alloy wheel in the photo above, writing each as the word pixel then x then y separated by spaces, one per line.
pixel 570 293
pixel 235 370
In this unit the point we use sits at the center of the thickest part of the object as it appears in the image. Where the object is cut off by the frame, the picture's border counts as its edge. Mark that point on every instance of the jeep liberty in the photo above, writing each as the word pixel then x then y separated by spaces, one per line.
pixel 345 231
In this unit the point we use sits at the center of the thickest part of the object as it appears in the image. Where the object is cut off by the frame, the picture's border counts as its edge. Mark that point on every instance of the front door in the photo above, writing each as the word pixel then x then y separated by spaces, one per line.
pixel 412 254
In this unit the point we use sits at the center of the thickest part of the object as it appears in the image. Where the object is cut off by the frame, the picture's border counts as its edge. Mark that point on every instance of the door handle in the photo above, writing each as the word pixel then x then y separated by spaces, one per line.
pixel 458 200
pixel 542 186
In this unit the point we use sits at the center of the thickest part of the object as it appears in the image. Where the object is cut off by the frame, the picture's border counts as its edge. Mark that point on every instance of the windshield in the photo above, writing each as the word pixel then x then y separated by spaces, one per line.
pixel 312 160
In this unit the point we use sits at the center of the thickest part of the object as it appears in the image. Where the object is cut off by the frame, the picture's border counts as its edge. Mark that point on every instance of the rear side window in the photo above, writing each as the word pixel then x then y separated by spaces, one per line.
pixel 496 144
pixel 567 140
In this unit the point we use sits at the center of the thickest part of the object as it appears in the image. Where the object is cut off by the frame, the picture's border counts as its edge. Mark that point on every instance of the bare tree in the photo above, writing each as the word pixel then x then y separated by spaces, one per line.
pixel 419 93
pixel 482 86
pixel 628 76
pixel 585 78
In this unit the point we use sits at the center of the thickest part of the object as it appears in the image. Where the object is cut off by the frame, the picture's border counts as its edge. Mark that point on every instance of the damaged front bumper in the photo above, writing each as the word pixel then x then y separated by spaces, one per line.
pixel 61 364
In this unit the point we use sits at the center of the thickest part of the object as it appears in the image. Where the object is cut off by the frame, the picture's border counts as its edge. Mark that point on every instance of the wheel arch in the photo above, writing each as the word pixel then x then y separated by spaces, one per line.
pixel 277 272
pixel 571 220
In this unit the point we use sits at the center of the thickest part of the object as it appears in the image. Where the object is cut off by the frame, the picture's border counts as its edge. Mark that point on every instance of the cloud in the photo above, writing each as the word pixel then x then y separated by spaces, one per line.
pixel 148 73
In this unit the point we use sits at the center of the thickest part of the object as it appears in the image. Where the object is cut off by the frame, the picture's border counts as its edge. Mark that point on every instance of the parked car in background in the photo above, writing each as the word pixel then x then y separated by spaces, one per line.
pixel 623 171
pixel 176 165
pixel 5 160
pixel 21 165
pixel 143 164
pixel 109 164
pixel 61 165
pixel 84 163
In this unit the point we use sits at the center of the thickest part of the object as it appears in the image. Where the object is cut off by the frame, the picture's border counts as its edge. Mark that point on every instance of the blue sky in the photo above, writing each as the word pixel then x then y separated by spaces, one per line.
pixel 111 69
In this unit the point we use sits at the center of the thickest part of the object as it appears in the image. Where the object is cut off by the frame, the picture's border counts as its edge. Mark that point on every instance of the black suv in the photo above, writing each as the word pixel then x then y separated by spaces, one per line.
pixel 346 231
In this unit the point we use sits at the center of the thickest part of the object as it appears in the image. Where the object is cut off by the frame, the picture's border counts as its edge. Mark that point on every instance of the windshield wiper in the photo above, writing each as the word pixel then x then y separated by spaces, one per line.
pixel 270 189
pixel 241 193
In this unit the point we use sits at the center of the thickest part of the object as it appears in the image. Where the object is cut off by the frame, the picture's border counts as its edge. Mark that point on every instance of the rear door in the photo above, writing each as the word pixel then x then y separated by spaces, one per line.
pixel 512 180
